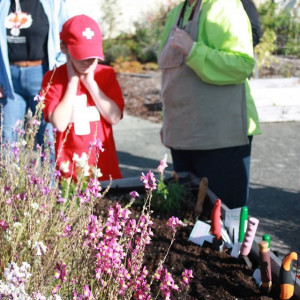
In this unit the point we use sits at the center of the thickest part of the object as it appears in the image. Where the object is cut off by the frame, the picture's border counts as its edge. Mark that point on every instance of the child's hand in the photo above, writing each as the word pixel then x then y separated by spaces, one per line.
pixel 71 71
pixel 88 78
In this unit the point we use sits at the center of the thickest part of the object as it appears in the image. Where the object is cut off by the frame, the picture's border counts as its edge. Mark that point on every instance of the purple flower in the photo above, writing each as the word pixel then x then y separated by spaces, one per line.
pixel 55 290
pixel 87 292
pixel 67 231
pixel 97 145
pixel 186 277
pixel 60 271
pixel 39 98
pixel 36 122
pixel 134 194
pixel 173 222
pixel 57 174
pixel 4 226
pixel 15 149
pixel 149 181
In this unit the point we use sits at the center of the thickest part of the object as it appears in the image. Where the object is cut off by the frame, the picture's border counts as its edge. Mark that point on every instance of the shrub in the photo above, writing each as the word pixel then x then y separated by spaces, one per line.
pixel 143 43
pixel 285 23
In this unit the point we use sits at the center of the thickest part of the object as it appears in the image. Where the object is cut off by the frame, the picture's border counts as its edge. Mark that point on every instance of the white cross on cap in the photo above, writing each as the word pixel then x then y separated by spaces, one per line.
pixel 88 33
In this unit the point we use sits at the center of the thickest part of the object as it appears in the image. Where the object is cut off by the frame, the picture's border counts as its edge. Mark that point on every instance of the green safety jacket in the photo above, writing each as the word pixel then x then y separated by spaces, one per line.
pixel 223 52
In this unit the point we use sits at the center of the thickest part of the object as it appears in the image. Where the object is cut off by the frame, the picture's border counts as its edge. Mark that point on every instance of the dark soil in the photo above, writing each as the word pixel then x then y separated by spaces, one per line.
pixel 217 275
pixel 142 95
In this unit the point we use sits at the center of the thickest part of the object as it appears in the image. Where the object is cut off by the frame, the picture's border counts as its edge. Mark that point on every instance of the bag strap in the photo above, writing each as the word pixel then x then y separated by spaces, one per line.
pixel 197 8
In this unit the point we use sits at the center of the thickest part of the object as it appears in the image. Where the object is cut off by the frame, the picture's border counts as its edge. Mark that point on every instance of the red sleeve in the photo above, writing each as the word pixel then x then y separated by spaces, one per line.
pixel 107 81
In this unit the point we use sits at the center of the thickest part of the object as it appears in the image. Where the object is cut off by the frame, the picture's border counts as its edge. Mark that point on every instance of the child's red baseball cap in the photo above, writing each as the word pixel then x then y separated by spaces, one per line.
pixel 83 37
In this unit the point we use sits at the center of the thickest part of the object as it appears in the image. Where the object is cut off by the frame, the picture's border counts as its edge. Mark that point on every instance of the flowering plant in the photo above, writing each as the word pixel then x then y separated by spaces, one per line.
pixel 54 245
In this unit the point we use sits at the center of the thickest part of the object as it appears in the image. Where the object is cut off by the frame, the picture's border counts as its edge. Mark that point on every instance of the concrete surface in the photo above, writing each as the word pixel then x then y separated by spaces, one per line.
pixel 275 173
pixel 277 99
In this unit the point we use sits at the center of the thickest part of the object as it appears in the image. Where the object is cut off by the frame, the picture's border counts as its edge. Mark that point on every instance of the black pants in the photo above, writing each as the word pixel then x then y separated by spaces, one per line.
pixel 227 170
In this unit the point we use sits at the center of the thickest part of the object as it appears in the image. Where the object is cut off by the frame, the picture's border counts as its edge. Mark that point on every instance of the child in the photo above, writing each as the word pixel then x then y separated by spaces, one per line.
pixel 83 100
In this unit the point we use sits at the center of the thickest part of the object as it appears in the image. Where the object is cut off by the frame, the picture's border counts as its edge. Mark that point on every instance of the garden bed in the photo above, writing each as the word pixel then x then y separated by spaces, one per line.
pixel 217 275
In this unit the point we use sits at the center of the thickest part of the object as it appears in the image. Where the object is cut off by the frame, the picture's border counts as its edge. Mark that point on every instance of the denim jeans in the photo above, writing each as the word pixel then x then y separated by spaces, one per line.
pixel 27 84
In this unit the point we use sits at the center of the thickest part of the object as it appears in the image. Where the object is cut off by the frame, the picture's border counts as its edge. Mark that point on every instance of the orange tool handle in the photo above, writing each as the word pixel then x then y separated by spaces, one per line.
pixel 285 276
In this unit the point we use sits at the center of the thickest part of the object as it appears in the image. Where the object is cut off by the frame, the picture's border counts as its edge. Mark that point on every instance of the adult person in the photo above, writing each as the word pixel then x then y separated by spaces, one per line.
pixel 83 101
pixel 206 56
pixel 30 45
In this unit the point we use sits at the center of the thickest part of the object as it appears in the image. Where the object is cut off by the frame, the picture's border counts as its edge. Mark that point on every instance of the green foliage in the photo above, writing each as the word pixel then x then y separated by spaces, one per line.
pixel 285 24
pixel 265 49
pixel 109 16
pixel 143 43
pixel 168 197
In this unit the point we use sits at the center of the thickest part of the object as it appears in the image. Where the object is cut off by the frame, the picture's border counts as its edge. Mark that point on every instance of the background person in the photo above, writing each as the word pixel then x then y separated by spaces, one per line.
pixel 83 102
pixel 206 56
pixel 252 13
pixel 29 39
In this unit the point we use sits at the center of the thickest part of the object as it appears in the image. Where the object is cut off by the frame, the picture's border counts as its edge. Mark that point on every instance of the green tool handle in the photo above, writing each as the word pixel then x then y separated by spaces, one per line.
pixel 243 219
pixel 267 238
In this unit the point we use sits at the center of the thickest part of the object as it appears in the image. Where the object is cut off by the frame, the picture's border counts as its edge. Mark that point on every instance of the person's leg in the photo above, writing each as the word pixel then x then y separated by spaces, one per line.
pixel 182 160
pixel 13 108
pixel 227 171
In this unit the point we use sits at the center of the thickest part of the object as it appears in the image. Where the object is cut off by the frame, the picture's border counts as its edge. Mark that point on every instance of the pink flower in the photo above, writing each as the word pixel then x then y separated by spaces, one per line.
pixel 55 290
pixel 3 225
pixel 186 277
pixel 173 222
pixel 163 164
pixel 67 231
pixel 149 181
pixel 39 98
pixel 36 122
pixel 134 194
pixel 167 283
pixel 60 271
pixel 87 292
pixel 97 145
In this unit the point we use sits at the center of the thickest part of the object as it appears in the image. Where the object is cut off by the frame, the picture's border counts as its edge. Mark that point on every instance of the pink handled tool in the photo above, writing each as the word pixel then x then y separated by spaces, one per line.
pixel 249 236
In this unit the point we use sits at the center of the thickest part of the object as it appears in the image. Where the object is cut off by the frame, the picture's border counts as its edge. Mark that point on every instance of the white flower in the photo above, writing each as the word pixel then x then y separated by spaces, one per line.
pixel 85 170
pixel 64 166
pixel 23 142
pixel 96 172
pixel 7 236
pixel 82 162
pixel 40 248
pixel 38 296
pixel 35 205
pixel 17 224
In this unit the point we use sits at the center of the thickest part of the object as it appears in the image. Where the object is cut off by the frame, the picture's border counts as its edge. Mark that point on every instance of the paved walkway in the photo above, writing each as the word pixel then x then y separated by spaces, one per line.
pixel 275 172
